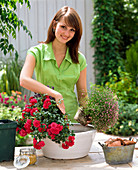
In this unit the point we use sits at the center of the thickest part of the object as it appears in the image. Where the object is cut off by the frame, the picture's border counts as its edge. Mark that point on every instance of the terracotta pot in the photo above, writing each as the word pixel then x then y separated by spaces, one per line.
pixel 80 117
pixel 84 136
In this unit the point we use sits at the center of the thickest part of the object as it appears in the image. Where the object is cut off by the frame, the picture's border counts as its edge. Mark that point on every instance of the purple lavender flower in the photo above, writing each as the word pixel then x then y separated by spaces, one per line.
pixel 102 108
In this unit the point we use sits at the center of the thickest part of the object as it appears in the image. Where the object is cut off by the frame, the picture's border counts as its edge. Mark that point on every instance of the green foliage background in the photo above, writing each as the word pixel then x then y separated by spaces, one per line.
pixel 9 75
pixel 9 23
pixel 125 88
pixel 114 28
pixel 131 62
pixel 126 22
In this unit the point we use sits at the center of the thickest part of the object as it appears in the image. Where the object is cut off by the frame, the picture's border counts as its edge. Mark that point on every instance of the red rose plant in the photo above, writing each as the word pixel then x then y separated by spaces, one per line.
pixel 42 118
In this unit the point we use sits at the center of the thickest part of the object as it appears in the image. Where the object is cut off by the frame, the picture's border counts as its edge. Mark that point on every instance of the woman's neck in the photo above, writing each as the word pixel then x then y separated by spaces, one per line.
pixel 59 47
pixel 59 50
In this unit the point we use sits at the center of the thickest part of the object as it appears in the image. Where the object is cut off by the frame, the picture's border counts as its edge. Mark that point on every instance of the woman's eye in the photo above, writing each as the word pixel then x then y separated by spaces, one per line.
pixel 62 26
pixel 73 30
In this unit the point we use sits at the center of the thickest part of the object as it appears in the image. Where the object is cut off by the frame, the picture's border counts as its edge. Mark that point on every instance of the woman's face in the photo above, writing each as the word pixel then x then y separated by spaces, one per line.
pixel 64 33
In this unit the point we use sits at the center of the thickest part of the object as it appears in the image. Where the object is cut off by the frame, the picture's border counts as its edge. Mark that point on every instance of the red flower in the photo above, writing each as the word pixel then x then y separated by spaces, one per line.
pixel 27 105
pixel 31 98
pixel 54 131
pixel 71 138
pixel 65 146
pixel 27 109
pixel 52 137
pixel 22 133
pixel 23 115
pixel 27 126
pixel 34 141
pixel 1 100
pixel 33 101
pixel 6 98
pixel 29 121
pixel 47 103
pixel 38 145
pixel 49 132
pixel 42 129
pixel 36 123
pixel 5 102
pixel 53 125
pixel 44 125
pixel 13 106
pixel 69 143
pixel 55 128
pixel 33 110
pixel 60 127
pixel 17 129
pixel 29 130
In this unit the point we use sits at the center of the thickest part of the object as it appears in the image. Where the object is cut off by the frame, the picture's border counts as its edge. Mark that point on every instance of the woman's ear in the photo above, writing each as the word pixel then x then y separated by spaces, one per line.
pixel 54 24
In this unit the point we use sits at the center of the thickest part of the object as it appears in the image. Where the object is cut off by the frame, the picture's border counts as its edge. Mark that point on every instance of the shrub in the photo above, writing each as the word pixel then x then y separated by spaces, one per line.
pixel 132 60
pixel 127 124
pixel 126 24
pixel 112 34
pixel 105 40
pixel 125 87
pixel 9 75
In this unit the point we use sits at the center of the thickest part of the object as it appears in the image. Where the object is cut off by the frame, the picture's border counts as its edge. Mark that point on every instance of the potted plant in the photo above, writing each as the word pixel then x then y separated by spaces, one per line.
pixel 52 130
pixel 101 108
pixel 42 118
pixel 10 106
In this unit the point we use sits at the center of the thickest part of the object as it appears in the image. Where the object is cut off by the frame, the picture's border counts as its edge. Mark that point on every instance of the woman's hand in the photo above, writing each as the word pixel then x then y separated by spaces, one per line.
pixel 89 121
pixel 60 102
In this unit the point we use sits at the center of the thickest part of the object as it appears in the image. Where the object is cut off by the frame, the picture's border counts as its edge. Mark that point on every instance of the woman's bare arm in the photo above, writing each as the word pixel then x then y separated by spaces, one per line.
pixel 82 88
pixel 29 83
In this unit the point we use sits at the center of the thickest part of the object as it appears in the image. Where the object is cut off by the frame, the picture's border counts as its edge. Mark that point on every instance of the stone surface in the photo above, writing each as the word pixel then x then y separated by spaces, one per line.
pixel 94 161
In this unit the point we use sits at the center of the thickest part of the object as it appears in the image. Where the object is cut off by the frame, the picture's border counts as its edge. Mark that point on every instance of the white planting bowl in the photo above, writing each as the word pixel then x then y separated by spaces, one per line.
pixel 84 136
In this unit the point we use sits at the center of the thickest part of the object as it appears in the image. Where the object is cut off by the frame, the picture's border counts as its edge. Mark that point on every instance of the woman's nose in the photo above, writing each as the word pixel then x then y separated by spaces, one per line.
pixel 67 33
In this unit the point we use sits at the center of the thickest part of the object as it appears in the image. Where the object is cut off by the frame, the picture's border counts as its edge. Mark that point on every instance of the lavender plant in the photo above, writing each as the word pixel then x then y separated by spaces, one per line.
pixel 102 107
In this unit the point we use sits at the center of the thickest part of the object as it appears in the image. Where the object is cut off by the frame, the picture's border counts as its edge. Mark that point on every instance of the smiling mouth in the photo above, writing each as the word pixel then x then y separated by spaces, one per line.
pixel 65 38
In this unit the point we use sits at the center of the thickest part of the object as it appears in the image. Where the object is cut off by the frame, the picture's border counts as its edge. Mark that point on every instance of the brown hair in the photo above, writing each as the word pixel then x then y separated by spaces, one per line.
pixel 72 19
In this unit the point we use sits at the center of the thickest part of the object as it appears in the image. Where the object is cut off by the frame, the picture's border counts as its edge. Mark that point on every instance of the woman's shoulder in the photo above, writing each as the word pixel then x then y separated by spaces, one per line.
pixel 82 61
pixel 40 46
pixel 81 56
pixel 38 49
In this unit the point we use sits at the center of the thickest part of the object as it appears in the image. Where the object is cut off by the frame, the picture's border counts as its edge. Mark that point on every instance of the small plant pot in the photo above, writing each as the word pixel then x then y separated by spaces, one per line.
pixel 118 154
pixel 7 139
pixel 80 117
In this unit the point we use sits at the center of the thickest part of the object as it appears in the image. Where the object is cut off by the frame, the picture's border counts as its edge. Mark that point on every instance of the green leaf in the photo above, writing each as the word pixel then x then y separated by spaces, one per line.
pixel 9 22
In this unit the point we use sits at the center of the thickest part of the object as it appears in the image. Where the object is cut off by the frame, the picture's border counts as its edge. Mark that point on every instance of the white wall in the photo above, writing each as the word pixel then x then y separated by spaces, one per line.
pixel 38 18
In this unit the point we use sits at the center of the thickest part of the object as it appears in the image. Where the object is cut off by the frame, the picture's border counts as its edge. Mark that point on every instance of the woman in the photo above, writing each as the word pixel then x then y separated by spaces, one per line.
pixel 58 63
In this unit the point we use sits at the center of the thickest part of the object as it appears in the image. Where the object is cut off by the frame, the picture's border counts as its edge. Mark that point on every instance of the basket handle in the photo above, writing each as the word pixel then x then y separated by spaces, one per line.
pixel 130 138
pixel 102 145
